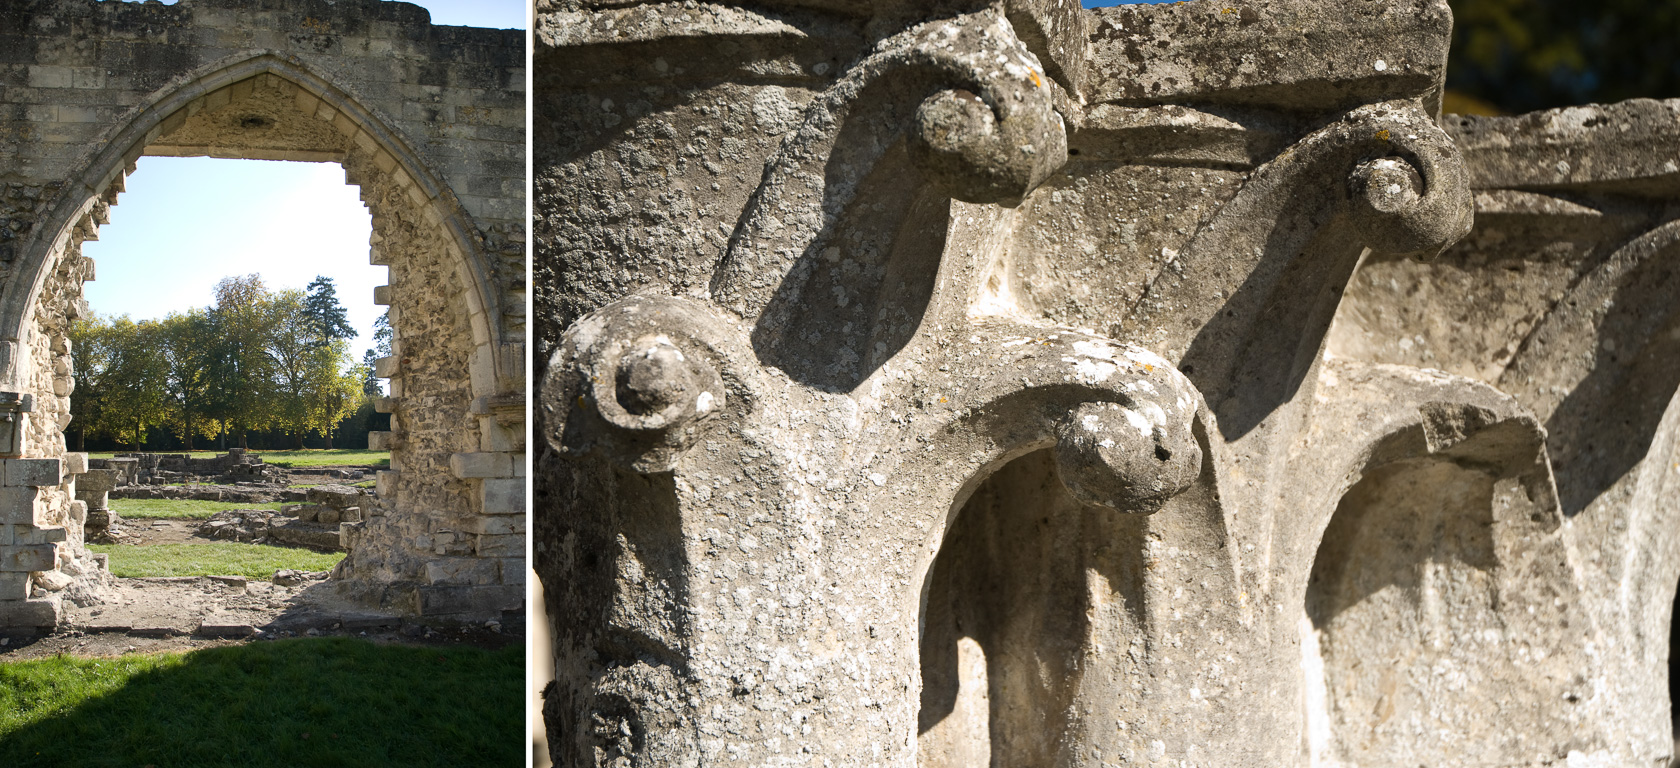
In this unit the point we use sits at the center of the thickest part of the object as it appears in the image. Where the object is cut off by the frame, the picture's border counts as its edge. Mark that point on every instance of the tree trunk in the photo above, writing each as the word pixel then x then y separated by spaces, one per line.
pixel 242 438
pixel 299 440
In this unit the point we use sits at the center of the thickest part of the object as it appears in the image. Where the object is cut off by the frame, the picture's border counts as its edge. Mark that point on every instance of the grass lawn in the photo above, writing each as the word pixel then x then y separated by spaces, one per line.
pixel 304 702
pixel 219 558
pixel 311 457
pixel 326 458
pixel 178 508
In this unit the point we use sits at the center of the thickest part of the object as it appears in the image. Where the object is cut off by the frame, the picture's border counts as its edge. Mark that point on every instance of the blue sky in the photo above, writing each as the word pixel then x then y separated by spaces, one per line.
pixel 185 223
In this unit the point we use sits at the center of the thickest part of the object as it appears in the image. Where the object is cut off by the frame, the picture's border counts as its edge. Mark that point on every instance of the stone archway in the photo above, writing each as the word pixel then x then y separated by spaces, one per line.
pixel 448 537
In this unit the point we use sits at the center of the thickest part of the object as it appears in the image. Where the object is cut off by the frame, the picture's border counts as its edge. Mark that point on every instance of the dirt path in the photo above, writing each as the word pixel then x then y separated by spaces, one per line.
pixel 182 613
pixel 142 531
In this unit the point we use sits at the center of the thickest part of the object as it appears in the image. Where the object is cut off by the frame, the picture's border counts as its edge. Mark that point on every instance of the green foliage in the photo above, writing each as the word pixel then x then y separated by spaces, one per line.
pixel 189 344
pixel 1522 55
pixel 244 372
pixel 313 391
pixel 218 558
pixel 305 702
pixel 123 375
pixel 326 316
pixel 258 359
pixel 381 348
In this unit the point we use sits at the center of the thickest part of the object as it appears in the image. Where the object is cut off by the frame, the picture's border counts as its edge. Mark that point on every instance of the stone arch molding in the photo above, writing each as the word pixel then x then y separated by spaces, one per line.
pixel 101 177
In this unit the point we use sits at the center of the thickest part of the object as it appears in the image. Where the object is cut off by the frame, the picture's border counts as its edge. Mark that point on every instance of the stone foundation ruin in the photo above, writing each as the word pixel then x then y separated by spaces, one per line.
pixel 235 466
pixel 427 120
pixel 1014 384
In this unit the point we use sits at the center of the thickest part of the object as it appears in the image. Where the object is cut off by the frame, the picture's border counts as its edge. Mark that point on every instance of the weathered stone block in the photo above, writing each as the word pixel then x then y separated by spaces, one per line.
pixel 385 441
pixel 41 612
pixel 334 495
pixel 75 463
pixel 14 585
pixel 501 545
pixel 494 524
pixel 469 599
pixel 480 465
pixel 33 472
pixel 382 295
pixel 45 534
pixel 385 484
pixel 461 570
pixel 28 557
pixel 513 571
pixel 20 505
pixel 502 496
pixel 387 367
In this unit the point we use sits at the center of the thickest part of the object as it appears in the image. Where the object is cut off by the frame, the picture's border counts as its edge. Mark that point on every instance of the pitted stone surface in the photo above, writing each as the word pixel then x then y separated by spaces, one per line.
pixel 1277 422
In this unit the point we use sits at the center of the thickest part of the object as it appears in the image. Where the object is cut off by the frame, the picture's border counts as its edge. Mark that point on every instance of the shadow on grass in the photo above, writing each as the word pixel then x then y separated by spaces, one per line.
pixel 304 702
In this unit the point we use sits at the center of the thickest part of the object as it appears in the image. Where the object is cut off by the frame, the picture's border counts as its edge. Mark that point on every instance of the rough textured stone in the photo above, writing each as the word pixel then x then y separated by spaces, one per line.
pixel 1189 437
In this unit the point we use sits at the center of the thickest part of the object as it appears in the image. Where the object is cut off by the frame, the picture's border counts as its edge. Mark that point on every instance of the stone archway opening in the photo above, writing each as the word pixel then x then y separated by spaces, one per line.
pixel 445 538
pixel 193 240
pixel 1420 612
pixel 1026 581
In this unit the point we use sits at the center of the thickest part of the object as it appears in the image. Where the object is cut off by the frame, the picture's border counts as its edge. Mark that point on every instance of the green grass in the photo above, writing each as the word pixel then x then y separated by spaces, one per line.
pixel 192 509
pixel 305 702
pixel 326 458
pixel 219 558
pixel 311 457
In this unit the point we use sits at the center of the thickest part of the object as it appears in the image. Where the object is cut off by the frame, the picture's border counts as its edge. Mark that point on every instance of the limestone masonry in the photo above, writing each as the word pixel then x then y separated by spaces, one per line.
pixel 964 383
pixel 427 120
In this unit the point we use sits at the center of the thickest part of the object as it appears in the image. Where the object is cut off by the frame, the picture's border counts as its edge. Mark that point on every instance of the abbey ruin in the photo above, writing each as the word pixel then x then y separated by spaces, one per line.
pixel 427 120
pixel 968 383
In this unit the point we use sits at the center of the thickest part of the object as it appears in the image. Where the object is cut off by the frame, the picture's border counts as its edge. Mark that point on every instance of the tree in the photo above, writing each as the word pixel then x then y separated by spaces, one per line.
pixel 190 345
pixel 381 348
pixel 1521 55
pixel 242 375
pixel 315 387
pixel 326 316
pixel 123 377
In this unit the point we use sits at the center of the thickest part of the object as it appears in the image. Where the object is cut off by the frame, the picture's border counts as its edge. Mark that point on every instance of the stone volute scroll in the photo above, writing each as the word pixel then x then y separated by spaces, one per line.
pixel 845 228
pixel 640 379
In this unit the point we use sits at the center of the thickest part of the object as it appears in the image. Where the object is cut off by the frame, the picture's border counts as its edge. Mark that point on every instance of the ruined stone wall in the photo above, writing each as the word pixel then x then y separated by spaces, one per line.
pixel 426 120
pixel 1156 385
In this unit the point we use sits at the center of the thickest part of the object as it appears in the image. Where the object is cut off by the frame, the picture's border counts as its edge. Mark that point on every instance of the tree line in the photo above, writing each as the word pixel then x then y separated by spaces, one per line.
pixel 258 360
pixel 1519 55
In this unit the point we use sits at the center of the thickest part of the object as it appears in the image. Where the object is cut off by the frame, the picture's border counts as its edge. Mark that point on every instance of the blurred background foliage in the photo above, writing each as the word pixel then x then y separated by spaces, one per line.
pixel 1514 56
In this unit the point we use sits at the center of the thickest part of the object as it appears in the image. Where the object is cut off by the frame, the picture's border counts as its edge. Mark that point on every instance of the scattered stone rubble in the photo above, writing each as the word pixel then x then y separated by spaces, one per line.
pixel 320 524
pixel 237 466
